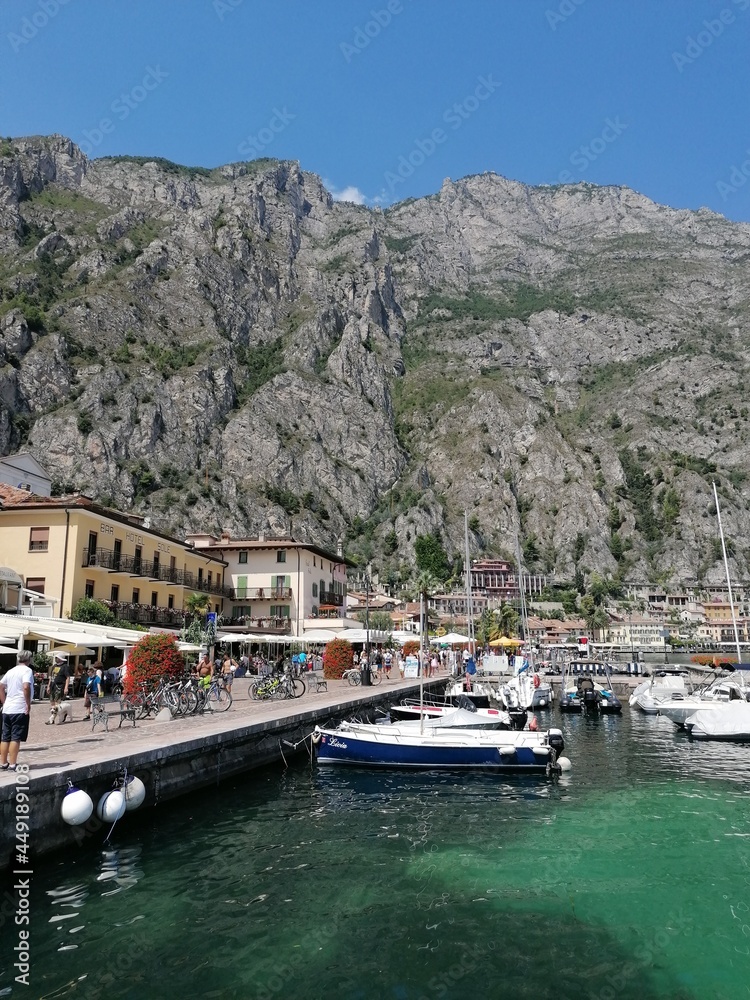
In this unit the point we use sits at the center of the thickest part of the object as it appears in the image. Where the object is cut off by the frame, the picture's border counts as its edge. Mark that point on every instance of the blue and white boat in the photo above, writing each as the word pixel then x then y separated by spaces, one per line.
pixel 581 693
pixel 386 746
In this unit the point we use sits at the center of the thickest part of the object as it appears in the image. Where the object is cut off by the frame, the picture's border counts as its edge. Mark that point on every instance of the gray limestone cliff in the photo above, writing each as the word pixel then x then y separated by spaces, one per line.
pixel 232 349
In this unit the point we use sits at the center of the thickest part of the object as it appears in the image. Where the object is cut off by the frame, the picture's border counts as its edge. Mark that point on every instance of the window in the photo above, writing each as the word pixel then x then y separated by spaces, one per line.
pixel 137 559
pixel 210 576
pixel 114 594
pixel 89 589
pixel 39 540
pixel 315 590
pixel 35 583
pixel 170 601
pixel 154 598
pixel 92 543
pixel 241 587
pixel 243 556
pixel 280 611
pixel 314 563
pixel 156 564
pixel 280 555
pixel 200 577
pixel 117 554
pixel 136 595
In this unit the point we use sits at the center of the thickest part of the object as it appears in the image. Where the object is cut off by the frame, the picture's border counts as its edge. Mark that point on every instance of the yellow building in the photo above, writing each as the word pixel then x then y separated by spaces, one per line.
pixel 71 547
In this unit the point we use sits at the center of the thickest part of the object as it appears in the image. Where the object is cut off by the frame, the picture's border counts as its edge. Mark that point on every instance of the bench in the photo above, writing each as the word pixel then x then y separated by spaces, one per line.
pixel 315 682
pixel 105 711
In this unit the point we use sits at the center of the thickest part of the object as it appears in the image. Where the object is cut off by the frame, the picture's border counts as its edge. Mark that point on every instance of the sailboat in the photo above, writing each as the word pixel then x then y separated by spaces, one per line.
pixel 428 745
pixel 720 711
pixel 527 689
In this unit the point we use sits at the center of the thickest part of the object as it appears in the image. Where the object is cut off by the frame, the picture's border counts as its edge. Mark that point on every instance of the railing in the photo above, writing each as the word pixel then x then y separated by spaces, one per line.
pixel 116 562
pixel 146 614
pixel 279 624
pixel 38 546
pixel 260 593
pixel 326 597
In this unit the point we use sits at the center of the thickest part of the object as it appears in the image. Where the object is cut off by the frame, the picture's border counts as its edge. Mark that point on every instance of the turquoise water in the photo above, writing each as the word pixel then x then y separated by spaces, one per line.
pixel 629 877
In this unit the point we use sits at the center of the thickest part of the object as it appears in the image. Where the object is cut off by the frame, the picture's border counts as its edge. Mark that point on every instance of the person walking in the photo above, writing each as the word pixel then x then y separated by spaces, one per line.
pixel 16 693
pixel 58 684
pixel 93 691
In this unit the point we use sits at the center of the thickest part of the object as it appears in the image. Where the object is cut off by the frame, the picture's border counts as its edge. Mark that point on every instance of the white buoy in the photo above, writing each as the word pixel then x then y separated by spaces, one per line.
pixel 77 806
pixel 135 792
pixel 564 763
pixel 111 806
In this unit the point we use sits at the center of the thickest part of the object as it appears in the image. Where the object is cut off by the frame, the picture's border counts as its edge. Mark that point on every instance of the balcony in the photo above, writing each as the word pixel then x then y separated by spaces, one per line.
pixel 332 600
pixel 260 593
pixel 281 625
pixel 146 614
pixel 116 562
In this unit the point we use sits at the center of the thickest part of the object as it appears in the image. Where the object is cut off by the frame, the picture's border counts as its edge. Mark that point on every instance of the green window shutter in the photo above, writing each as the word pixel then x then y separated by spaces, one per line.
pixel 287 581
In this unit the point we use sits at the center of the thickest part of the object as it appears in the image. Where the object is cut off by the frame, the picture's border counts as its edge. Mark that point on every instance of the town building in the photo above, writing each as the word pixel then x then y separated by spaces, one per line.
pixel 65 548
pixel 24 473
pixel 279 584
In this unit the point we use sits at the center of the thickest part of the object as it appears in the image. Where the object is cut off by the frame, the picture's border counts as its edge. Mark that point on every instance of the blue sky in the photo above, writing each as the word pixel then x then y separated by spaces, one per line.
pixel 386 98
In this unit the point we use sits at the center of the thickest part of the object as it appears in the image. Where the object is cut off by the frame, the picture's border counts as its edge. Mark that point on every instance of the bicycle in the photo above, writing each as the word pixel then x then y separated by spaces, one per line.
pixel 353 675
pixel 277 686
pixel 214 698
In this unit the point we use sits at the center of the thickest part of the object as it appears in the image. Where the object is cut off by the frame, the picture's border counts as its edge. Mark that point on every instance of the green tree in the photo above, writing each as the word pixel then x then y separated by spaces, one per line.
pixel 579 547
pixel 431 556
pixel 380 621
pixel 198 605
pixel 507 620
pixel 596 617
pixel 86 609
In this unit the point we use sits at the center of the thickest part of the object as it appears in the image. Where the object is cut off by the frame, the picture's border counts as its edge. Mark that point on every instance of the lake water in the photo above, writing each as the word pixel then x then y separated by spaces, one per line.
pixel 629 877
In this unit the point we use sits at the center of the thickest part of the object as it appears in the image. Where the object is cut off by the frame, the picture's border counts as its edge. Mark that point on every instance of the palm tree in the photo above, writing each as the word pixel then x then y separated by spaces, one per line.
pixel 197 605
pixel 425 585
pixel 508 621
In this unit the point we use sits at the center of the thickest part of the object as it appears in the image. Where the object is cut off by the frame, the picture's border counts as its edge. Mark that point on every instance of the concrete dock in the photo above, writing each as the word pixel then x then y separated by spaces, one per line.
pixel 172 757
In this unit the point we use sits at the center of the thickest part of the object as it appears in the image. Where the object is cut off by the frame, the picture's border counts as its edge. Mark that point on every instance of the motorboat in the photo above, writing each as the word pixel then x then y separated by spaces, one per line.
pixel 441 749
pixel 525 690
pixel 721 689
pixel 726 721
pixel 466 715
pixel 662 686
pixel 480 692
pixel 582 693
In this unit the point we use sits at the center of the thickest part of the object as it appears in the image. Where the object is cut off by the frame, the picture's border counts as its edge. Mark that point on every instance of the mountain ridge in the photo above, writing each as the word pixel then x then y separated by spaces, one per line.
pixel 230 348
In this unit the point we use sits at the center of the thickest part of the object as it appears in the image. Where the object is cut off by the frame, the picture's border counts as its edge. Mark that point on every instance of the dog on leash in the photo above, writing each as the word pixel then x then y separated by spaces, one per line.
pixel 60 712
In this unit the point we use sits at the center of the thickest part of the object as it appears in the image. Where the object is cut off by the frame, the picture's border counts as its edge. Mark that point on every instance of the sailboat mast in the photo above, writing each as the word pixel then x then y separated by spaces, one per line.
pixel 729 582
pixel 469 607
pixel 524 615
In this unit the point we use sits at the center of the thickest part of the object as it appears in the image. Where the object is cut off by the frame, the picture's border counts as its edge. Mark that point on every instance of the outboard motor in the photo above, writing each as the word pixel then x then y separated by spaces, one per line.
pixel 556 741
pixel 518 718
pixel 463 702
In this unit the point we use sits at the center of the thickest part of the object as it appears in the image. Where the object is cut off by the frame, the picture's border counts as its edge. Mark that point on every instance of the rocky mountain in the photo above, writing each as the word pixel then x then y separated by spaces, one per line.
pixel 231 348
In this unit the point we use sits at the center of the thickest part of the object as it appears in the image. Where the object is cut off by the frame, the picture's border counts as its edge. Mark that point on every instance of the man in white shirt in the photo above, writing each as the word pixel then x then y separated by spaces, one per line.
pixel 16 692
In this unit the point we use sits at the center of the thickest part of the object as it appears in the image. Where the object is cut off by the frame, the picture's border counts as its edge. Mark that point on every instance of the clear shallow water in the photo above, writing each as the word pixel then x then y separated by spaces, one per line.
pixel 628 877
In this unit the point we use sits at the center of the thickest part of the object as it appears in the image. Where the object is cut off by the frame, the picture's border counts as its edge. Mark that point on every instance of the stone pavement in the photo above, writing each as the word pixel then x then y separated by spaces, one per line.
pixel 74 744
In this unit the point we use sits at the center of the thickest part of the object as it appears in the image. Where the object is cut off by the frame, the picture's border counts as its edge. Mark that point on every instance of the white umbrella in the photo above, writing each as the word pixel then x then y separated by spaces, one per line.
pixel 450 639
pixel 8 649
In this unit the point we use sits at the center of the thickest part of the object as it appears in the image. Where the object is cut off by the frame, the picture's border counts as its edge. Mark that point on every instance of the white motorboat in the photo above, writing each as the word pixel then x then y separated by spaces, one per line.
pixel 663 686
pixel 462 716
pixel 387 746
pixel 727 721
pixel 721 689
pixel 526 690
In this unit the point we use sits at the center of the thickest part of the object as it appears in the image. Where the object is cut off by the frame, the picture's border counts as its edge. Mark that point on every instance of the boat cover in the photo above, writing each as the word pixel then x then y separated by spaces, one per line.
pixel 730 721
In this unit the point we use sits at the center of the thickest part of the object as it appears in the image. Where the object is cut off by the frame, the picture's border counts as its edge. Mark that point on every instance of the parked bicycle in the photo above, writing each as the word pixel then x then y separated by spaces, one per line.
pixel 277 686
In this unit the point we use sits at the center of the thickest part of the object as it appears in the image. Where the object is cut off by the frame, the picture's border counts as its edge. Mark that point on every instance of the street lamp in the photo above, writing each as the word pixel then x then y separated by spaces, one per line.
pixel 366 668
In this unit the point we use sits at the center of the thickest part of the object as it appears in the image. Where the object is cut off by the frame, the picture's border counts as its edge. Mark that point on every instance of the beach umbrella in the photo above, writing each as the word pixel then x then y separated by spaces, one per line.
pixel 505 641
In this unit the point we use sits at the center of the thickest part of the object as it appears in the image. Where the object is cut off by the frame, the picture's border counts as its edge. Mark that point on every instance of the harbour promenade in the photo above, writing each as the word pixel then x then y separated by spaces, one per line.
pixel 172 757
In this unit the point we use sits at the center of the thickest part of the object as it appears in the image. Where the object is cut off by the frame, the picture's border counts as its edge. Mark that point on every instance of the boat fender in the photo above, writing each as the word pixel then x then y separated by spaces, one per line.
pixel 315 737
pixel 533 725
pixel 77 806
pixel 135 793
pixel 564 763
pixel 537 682
pixel 111 806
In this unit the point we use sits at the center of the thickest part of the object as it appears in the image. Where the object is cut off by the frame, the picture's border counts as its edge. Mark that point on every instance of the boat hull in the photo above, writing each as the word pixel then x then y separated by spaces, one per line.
pixel 432 753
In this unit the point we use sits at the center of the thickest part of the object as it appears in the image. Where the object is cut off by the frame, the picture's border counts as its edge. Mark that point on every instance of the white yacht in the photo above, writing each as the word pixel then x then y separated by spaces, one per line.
pixel 722 689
